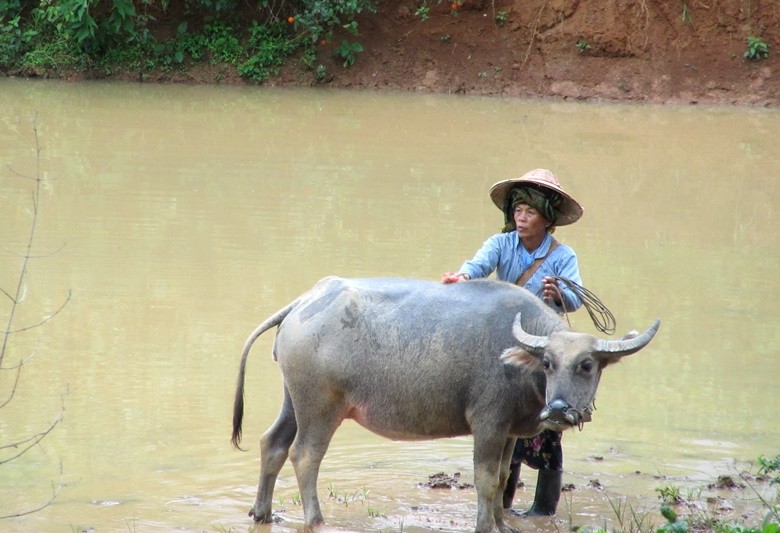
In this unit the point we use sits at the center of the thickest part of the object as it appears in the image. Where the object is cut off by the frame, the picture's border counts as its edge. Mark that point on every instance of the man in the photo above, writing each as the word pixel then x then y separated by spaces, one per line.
pixel 526 253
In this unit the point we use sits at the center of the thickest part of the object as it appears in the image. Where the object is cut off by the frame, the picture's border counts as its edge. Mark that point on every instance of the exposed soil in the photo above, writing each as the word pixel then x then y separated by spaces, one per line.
pixel 654 51
pixel 658 51
pixel 726 500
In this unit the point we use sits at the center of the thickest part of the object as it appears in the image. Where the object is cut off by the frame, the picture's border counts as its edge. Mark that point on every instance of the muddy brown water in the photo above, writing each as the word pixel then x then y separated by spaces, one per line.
pixel 182 216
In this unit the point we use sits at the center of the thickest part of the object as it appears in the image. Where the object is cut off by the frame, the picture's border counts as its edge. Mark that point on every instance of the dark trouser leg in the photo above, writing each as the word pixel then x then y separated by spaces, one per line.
pixel 548 492
pixel 543 452
pixel 511 485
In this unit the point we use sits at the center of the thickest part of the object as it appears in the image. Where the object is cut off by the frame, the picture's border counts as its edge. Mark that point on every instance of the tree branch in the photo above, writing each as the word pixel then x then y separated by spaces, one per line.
pixel 40 256
pixel 11 394
pixel 42 322
pixel 55 490
pixel 29 442
pixel 14 450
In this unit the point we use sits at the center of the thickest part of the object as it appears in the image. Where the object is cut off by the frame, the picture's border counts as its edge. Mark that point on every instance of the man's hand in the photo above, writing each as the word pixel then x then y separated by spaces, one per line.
pixel 453 277
pixel 551 291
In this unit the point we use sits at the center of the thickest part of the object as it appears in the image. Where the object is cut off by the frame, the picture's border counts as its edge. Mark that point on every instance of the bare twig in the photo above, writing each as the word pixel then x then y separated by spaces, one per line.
pixel 8 295
pixel 39 256
pixel 534 33
pixel 46 319
pixel 20 175
pixel 55 490
pixel 27 255
pixel 12 451
pixel 30 239
pixel 23 446
pixel 12 392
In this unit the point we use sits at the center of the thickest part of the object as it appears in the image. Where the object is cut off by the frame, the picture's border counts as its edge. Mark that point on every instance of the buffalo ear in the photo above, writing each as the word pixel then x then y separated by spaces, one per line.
pixel 520 357
pixel 605 359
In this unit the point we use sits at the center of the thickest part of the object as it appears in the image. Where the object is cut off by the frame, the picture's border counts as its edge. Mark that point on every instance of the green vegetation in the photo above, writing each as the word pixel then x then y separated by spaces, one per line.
pixel 673 524
pixel 674 504
pixel 423 12
pixel 698 518
pixel 102 36
pixel 757 49
pixel 686 14
pixel 582 46
pixel 770 467
pixel 669 494
pixel 347 51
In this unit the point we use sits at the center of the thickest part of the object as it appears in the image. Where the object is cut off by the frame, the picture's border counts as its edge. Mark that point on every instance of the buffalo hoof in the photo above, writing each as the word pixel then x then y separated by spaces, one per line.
pixel 261 518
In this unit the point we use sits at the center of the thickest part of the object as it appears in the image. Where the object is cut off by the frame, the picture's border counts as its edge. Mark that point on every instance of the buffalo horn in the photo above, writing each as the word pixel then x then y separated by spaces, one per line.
pixel 619 348
pixel 533 344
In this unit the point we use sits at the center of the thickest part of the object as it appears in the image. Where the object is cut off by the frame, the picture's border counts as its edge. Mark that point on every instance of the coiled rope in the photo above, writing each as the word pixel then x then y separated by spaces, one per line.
pixel 601 316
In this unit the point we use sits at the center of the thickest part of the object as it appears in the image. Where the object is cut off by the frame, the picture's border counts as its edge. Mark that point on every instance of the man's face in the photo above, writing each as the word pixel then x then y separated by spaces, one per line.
pixel 529 222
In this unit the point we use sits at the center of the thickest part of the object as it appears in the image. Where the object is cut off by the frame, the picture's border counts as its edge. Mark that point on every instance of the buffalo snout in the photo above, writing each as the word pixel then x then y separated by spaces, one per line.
pixel 560 413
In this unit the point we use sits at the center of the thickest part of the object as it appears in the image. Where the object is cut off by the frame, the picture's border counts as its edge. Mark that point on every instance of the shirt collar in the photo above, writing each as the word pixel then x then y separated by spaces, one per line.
pixel 540 251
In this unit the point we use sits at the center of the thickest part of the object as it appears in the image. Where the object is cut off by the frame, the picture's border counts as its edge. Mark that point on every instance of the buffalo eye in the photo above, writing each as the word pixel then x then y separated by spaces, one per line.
pixel 586 366
pixel 546 363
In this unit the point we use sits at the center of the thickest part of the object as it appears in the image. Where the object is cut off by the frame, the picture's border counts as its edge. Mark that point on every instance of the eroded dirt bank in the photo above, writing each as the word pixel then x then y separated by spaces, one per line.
pixel 659 51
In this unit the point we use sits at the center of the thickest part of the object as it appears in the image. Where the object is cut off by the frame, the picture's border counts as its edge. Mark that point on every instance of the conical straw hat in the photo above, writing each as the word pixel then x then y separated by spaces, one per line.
pixel 569 211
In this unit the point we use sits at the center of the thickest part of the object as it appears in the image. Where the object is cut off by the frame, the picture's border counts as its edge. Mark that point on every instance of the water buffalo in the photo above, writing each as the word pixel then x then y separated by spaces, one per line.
pixel 414 360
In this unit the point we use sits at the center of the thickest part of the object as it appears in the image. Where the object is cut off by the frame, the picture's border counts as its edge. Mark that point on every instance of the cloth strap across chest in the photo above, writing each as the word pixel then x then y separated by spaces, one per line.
pixel 528 272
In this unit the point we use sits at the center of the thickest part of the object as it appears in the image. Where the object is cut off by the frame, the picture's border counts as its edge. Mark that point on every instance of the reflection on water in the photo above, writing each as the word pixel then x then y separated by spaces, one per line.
pixel 189 214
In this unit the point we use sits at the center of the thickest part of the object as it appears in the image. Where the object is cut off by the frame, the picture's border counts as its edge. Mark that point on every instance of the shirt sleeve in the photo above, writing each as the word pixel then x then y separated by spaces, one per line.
pixel 485 260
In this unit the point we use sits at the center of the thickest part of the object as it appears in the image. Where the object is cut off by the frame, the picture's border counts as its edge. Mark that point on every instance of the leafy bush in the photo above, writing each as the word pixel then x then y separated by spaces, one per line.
pixel 757 49
pixel 268 46
pixel 218 6
pixel 347 51
pixel 109 35
pixel 769 467
pixel 317 18
pixel 10 39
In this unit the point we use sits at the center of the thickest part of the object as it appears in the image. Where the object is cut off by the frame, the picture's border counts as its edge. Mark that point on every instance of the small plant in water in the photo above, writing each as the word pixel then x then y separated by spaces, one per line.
pixel 374 513
pixel 296 498
pixel 669 494
pixel 769 467
pixel 673 525
pixel 131 524
pixel 757 49
pixel 501 18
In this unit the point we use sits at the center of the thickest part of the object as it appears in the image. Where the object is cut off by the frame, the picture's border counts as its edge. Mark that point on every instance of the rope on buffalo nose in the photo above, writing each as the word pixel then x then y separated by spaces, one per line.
pixel 601 316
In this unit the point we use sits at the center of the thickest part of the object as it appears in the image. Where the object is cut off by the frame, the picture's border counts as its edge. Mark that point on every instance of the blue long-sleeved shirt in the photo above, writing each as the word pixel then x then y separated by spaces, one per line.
pixel 505 254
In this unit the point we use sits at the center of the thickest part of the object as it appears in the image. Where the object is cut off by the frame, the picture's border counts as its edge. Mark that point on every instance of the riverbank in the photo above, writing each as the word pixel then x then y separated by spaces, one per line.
pixel 643 51
pixel 649 51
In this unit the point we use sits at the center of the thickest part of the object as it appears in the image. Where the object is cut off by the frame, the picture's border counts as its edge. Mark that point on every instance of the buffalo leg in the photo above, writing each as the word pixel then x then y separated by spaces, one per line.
pixel 274 448
pixel 489 452
pixel 315 430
